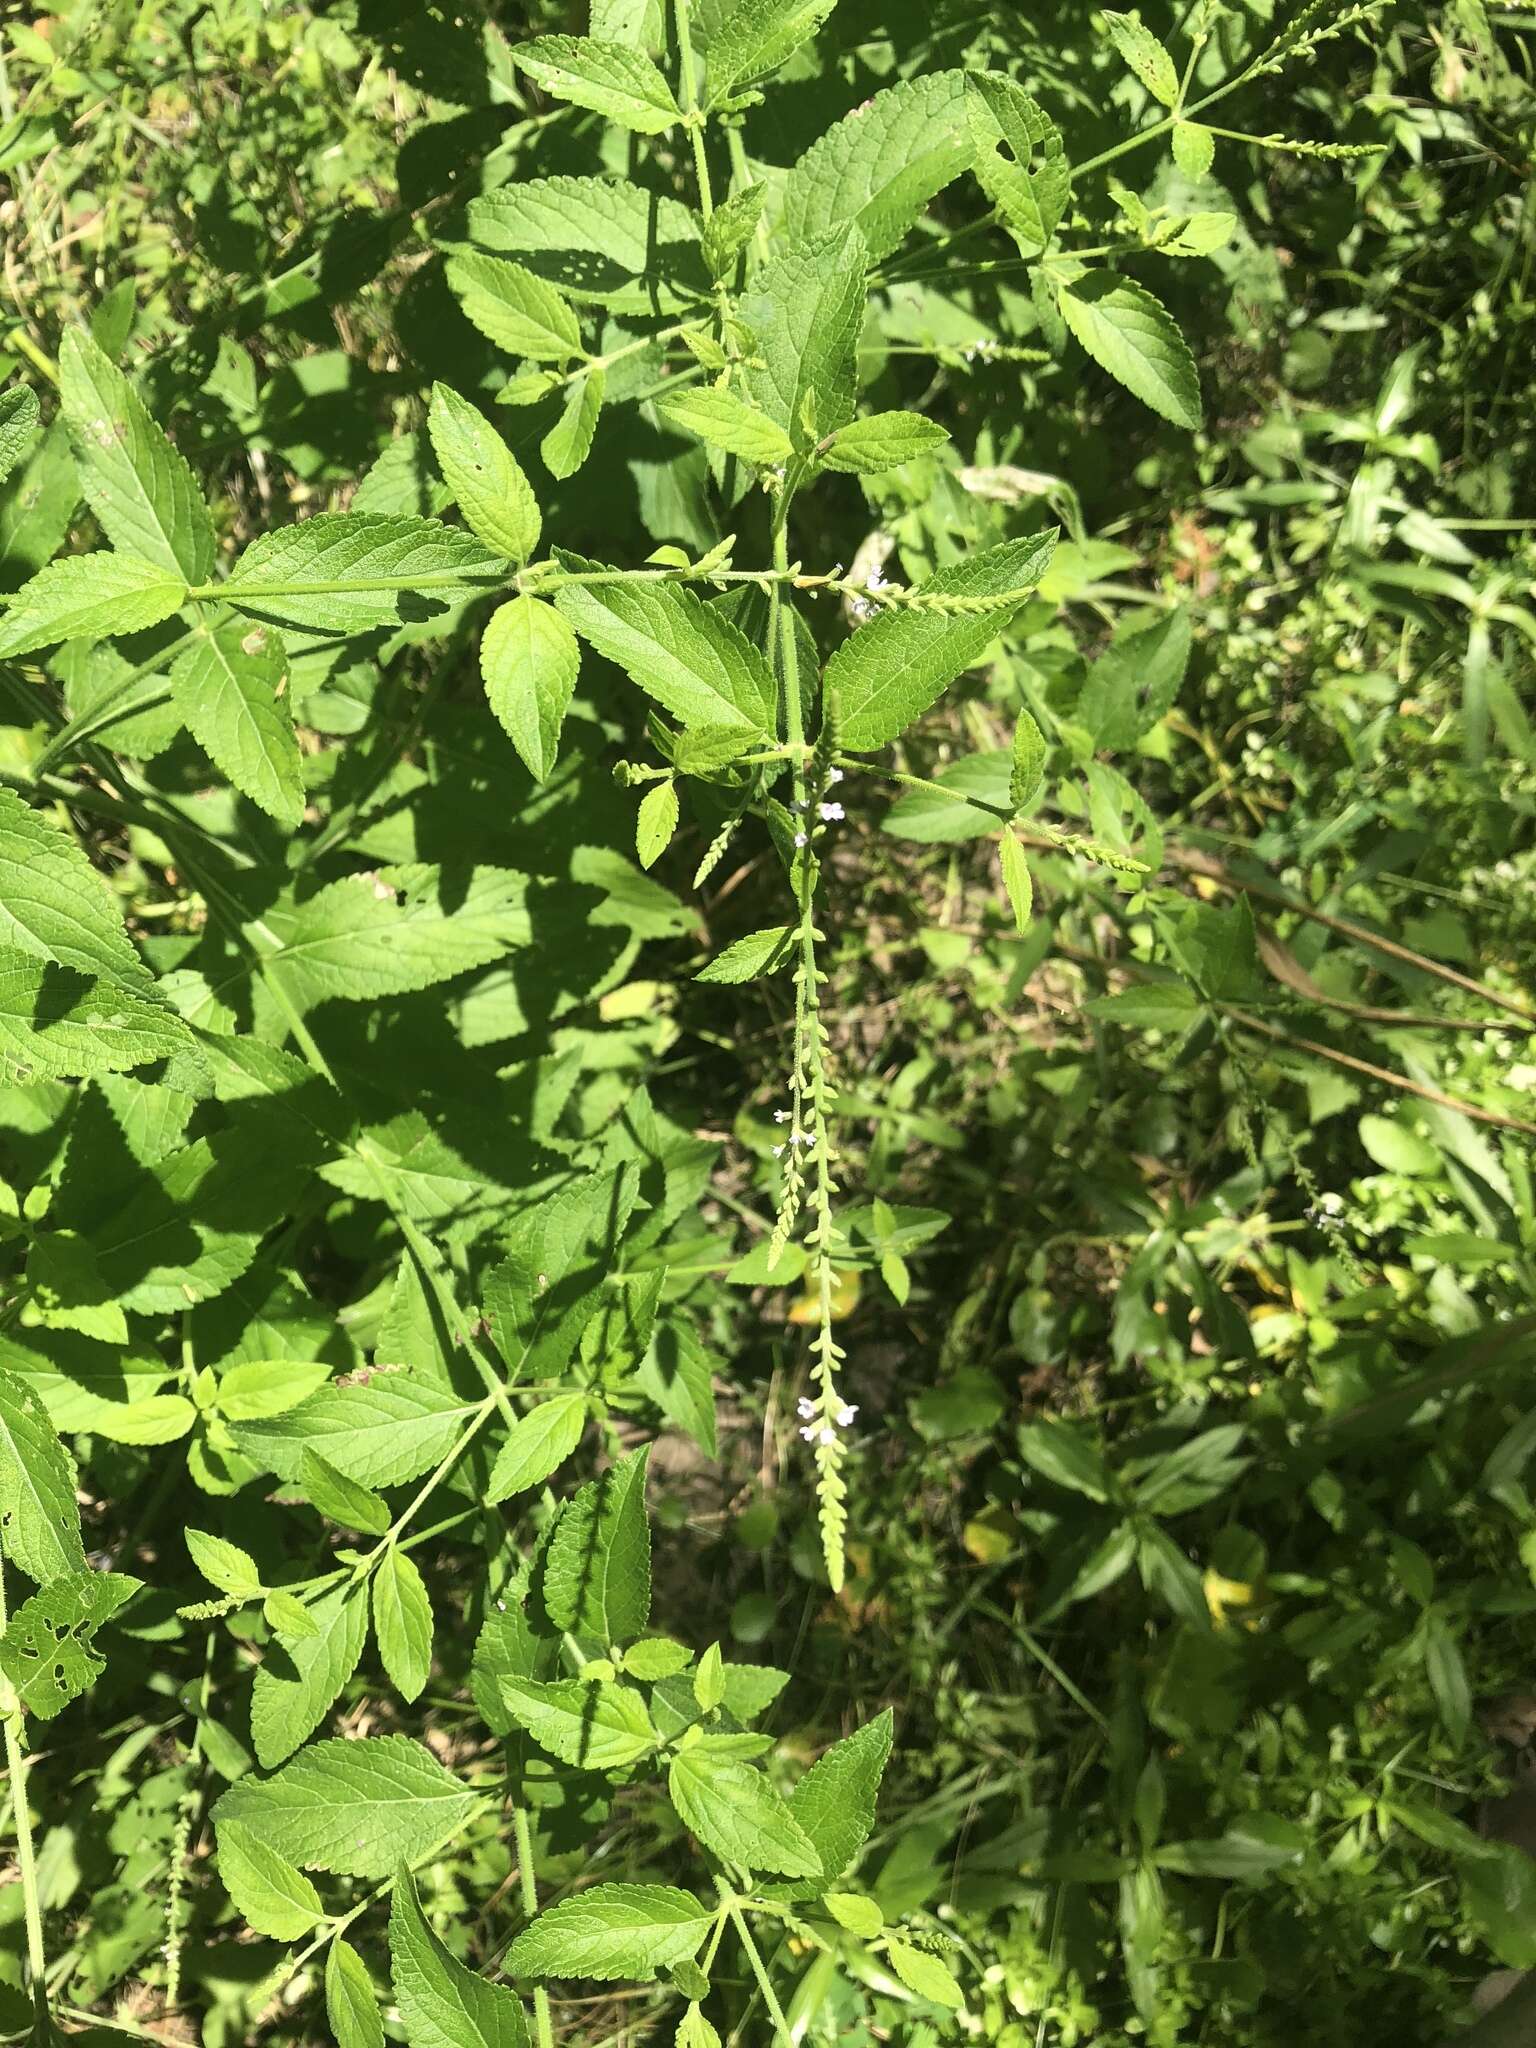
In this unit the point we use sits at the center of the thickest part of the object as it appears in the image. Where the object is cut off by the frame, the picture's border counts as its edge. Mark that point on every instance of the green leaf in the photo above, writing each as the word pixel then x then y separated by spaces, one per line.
pixel 18 425
pixel 604 241
pixel 896 666
pixel 140 488
pixel 1145 55
pixel 340 1499
pixel 977 804
pixel 1194 149
pixel 1028 766
pixel 350 2004
pixel 47 1650
pixel 587 1723
pixel 358 1807
pixel 398 929
pixel 597 1570
pixel 739 1817
pixel 288 1618
pixel 510 306
pixel 1135 680
pixel 88 597
pixel 530 659
pixel 744 959
pixel 1499 1893
pixel 1020 159
pixel 613 1930
pixel 268 1892
pixel 709 1679
pixel 655 822
pixel 806 312
pixel 381 1432
pixel 229 686
pixel 879 166
pixel 569 441
pixel 1132 335
pixel 1062 1454
pixel 59 1024
pixel 756 37
pixel 881 441
pixel 297 1685
pixel 442 2004
pixel 682 652
pixel 259 1387
pixel 223 1564
pixel 1252 1846
pixel 609 78
pixel 1447 1674
pixel 725 421
pixel 1151 1006
pixel 731 226
pixel 483 475
pixel 925 1974
pixel 402 1621
pixel 538 1445
pixel 1016 879
pixel 656 1657
pixel 345 572
pixel 39 1517
pixel 835 1801
pixel 859 1915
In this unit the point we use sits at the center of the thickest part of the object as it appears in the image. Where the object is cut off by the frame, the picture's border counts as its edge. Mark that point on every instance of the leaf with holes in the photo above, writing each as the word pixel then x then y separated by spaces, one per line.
pixel 47 1651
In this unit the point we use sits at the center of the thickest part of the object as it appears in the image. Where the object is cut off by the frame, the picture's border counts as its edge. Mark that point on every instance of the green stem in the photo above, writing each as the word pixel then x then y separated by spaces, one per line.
pixel 522 1835
pixel 691 106
pixel 775 2010
pixel 26 1863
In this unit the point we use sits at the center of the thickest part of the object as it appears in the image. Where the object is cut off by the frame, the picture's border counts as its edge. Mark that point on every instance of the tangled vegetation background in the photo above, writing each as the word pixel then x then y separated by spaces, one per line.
pixel 1178 1284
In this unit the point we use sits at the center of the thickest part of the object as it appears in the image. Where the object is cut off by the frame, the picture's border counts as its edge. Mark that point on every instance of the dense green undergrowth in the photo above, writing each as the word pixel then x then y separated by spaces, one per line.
pixel 767 1030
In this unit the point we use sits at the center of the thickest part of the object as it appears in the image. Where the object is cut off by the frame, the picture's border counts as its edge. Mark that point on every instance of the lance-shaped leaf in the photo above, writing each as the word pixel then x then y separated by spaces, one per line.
pixel 39 1517
pixel 879 166
pixel 835 1801
pixel 399 929
pixel 607 241
pixel 806 311
pixel 141 489
pixel 18 426
pixel 726 421
pixel 613 1930
pixel 569 441
pixel 299 1682
pixel 47 1651
pixel 881 441
pixel 756 37
pixel 738 1816
pixel 340 1499
pixel 512 307
pixel 344 572
pixel 484 476
pixel 88 597
pixel 402 1621
pixel 539 1444
pixel 588 1723
pixel 1145 55
pixel 59 1024
pixel 381 1433
pixel 597 1569
pixel 896 666
pixel 1131 333
pixel 610 78
pixel 1020 158
pixel 230 687
pixel 53 904
pixel 350 2004
pixel 696 664
pixel 269 1893
pixel 530 660
pixel 359 1808
pixel 443 2004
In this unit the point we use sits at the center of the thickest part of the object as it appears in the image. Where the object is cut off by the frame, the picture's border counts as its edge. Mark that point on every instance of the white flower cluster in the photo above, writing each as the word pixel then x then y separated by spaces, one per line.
pixel 816 1426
